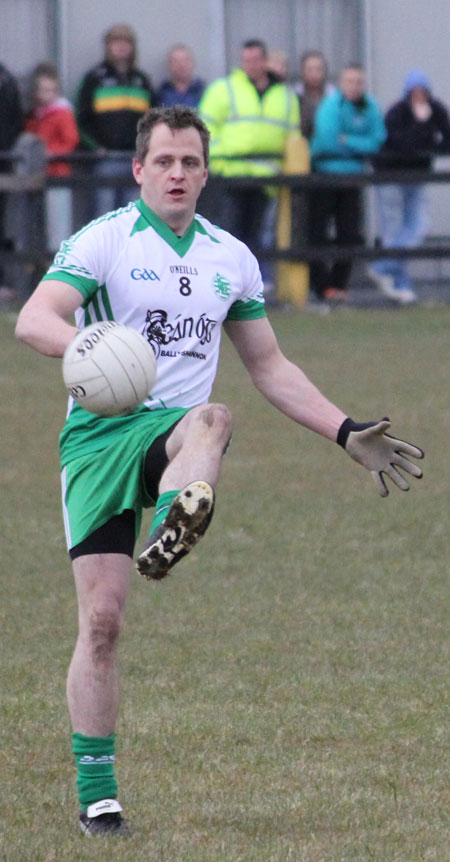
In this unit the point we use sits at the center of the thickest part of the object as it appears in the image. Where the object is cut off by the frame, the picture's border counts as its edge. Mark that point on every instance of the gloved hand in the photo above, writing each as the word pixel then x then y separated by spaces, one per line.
pixel 369 445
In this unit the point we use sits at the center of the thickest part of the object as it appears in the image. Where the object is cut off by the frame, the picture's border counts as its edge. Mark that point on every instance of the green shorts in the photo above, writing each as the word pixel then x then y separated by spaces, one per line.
pixel 98 486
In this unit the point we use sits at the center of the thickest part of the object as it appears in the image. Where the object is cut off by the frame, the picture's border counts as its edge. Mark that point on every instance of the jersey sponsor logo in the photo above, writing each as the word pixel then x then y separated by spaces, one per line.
pixel 144 274
pixel 194 353
pixel 222 287
pixel 184 270
pixel 159 331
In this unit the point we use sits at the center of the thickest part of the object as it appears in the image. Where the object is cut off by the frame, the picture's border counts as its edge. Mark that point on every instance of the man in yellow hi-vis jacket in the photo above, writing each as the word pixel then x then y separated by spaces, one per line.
pixel 249 113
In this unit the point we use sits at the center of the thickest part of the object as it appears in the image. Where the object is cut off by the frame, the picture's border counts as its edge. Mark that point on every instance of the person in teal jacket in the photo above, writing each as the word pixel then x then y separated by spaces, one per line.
pixel 349 128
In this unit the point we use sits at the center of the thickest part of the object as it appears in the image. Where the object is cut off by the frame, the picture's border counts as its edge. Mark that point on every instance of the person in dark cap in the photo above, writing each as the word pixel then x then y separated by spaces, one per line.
pixel 112 97
pixel 418 127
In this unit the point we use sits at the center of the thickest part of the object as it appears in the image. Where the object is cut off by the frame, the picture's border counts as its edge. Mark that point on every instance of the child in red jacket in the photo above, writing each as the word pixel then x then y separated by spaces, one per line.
pixel 53 120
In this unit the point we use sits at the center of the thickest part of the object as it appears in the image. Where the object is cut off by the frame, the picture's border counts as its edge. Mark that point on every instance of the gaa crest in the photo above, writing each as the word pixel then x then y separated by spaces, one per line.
pixel 222 287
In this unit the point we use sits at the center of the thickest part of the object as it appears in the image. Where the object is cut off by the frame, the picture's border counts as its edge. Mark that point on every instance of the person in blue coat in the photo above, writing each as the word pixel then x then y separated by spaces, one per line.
pixel 348 129
pixel 181 87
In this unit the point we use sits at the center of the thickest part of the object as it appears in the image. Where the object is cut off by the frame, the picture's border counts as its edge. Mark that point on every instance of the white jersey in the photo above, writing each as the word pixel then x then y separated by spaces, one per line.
pixel 131 267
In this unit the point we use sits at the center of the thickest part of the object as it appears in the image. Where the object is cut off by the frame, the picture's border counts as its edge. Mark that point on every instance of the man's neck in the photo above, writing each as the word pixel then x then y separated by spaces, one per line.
pixel 180 85
pixel 122 67
pixel 261 83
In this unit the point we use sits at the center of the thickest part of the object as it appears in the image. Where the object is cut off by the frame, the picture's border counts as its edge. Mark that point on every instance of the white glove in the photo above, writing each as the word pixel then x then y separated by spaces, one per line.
pixel 369 445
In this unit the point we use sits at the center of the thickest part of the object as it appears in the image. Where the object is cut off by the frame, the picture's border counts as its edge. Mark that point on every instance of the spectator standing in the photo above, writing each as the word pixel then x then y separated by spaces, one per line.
pixel 348 127
pixel 312 88
pixel 11 120
pixel 417 126
pixel 181 87
pixel 112 97
pixel 52 119
pixel 249 113
pixel 278 63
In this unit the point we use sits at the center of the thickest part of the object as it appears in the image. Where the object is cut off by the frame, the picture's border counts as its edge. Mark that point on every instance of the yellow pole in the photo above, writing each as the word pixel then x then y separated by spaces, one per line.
pixel 292 278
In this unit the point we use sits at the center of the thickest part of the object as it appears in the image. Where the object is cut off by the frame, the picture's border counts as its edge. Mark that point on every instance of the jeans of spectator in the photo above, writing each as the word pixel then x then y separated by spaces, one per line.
pixel 334 216
pixel 3 200
pixel 268 240
pixel 404 221
pixel 107 199
pixel 242 213
pixel 248 214
pixel 58 211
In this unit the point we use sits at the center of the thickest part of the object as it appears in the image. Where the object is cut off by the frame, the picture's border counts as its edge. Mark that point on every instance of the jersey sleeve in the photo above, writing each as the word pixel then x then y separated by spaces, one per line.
pixel 250 305
pixel 81 261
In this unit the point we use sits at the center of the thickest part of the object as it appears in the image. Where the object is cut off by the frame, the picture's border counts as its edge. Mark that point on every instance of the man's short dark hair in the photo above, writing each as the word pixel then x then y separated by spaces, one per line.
pixel 317 55
pixel 176 118
pixel 255 43
pixel 354 66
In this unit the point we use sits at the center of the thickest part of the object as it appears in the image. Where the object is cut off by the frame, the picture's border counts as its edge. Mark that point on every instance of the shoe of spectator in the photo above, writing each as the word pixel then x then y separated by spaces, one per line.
pixel 335 295
pixel 384 283
pixel 405 296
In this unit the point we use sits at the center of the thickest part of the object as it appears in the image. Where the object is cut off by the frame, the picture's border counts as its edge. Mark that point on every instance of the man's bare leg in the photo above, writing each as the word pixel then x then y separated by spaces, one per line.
pixel 196 447
pixel 92 686
pixel 195 450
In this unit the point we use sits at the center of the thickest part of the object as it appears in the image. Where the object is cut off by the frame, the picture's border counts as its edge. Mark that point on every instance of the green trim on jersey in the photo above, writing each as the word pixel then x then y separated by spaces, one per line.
pixel 89 289
pixel 86 286
pixel 250 310
pixel 180 244
pixel 200 228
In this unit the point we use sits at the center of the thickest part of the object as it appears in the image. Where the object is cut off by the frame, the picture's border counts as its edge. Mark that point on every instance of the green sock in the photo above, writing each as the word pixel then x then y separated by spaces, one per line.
pixel 94 756
pixel 163 505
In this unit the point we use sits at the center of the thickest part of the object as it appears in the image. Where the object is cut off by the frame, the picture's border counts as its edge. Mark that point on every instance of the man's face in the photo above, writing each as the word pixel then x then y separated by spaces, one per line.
pixel 120 50
pixel 419 95
pixel 47 91
pixel 253 63
pixel 172 175
pixel 313 72
pixel 352 84
pixel 180 65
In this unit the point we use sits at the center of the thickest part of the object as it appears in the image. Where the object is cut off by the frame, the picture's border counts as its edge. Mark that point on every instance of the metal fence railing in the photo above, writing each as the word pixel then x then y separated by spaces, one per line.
pixel 26 182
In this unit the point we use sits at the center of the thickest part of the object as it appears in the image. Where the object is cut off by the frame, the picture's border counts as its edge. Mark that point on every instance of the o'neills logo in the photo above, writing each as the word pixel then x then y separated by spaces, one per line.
pixel 158 330
pixel 181 269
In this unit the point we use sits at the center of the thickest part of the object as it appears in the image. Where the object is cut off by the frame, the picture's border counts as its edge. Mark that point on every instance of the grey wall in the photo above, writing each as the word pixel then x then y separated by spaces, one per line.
pixel 403 34
pixel 159 23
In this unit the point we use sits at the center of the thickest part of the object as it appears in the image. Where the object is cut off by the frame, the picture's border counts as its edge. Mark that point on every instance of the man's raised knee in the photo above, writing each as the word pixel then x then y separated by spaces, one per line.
pixel 218 418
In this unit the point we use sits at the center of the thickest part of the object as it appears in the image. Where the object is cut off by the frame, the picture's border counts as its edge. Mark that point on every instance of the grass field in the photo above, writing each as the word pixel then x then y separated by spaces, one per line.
pixel 285 692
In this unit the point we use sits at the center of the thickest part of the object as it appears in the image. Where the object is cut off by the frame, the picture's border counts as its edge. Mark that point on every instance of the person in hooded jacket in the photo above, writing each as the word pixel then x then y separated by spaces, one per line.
pixel 418 127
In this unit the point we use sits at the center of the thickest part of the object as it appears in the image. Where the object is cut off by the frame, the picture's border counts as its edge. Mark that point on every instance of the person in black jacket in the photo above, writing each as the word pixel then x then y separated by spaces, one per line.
pixel 418 127
pixel 111 99
pixel 11 120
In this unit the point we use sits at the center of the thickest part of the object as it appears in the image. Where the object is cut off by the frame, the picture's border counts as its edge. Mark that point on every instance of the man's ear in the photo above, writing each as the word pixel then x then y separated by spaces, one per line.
pixel 137 170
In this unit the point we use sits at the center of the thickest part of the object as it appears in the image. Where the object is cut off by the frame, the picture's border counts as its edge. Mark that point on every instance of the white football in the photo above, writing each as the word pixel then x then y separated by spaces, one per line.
pixel 109 368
